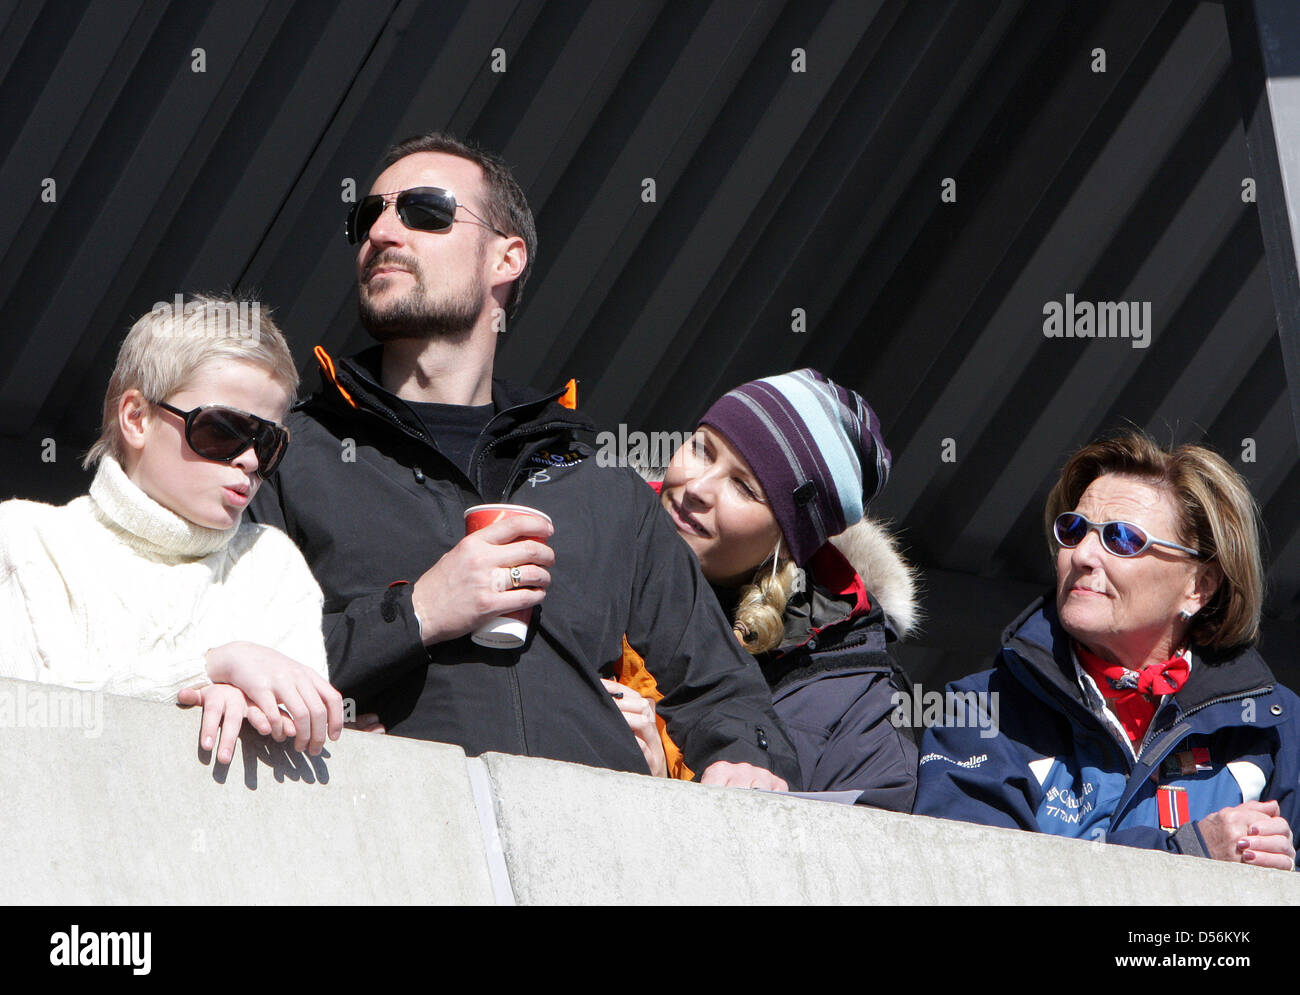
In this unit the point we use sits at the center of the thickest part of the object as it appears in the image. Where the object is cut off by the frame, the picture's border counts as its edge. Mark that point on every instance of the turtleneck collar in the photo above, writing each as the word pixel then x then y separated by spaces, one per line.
pixel 145 524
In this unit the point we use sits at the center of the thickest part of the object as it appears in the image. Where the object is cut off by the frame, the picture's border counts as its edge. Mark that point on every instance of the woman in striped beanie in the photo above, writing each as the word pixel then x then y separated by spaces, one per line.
pixel 776 469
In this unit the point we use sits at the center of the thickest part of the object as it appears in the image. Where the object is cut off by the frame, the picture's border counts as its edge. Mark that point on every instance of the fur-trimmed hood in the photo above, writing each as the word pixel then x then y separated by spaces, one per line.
pixel 873 552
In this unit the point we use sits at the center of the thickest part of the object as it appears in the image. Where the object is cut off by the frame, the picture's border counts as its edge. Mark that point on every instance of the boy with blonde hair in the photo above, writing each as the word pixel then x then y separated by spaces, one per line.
pixel 152 585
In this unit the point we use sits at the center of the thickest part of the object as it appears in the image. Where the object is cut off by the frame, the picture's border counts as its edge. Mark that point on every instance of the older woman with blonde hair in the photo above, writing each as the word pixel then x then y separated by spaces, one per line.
pixel 1133 707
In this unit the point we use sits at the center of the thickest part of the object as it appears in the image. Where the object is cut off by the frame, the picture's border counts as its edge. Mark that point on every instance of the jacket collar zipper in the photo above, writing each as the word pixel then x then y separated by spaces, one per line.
pixel 1183 725
pixel 1170 736
pixel 519 433
pixel 374 406
pixel 1235 696
pixel 389 418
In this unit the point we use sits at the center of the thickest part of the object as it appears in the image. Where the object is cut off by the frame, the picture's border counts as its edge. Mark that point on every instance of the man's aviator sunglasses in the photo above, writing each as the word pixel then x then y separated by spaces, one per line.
pixel 419 208
pixel 1118 538
pixel 220 434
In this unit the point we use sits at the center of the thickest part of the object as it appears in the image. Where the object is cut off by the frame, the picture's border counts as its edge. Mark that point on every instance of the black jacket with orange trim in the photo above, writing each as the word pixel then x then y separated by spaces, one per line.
pixel 371 502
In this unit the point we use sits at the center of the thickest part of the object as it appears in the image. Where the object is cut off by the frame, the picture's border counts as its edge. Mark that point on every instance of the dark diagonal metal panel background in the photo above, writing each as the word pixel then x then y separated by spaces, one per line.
pixel 777 192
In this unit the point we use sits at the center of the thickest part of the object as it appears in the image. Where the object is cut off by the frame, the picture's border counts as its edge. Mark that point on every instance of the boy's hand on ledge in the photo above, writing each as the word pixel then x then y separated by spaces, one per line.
pixel 276 685
pixel 224 709
pixel 725 774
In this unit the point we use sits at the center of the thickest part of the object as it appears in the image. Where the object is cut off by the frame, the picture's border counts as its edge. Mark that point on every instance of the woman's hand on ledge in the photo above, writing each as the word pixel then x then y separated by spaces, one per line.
pixel 366 722
pixel 723 773
pixel 1250 833
pixel 276 685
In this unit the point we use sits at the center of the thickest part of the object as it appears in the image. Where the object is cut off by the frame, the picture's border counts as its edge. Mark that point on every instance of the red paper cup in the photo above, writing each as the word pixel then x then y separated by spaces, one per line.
pixel 509 631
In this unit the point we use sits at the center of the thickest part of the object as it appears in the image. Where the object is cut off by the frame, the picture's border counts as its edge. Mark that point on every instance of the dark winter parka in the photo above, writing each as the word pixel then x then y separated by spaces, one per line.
pixel 835 687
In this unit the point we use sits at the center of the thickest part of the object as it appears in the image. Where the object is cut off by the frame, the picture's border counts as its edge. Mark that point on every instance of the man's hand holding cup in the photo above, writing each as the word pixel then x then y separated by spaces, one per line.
pixel 490 581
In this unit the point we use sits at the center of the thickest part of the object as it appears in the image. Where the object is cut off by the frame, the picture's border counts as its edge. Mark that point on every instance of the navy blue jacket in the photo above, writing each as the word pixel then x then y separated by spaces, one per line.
pixel 1052 766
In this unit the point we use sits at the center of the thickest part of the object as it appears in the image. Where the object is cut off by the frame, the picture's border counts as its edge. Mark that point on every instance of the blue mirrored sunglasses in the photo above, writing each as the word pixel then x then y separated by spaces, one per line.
pixel 1117 538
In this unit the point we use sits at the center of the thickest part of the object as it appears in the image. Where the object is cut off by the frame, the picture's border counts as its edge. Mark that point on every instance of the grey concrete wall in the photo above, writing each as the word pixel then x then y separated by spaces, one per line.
pixel 107 800
pixel 127 813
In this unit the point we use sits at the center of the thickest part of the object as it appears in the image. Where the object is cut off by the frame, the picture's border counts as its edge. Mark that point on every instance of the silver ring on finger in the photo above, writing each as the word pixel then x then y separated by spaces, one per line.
pixel 515 577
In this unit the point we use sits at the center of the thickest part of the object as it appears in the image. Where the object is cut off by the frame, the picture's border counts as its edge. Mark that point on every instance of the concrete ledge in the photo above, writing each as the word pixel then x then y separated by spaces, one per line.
pixel 106 801
pixel 573 835
pixel 129 815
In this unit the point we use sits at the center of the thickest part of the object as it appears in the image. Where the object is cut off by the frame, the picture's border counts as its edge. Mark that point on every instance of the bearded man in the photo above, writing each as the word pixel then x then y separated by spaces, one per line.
pixel 403 437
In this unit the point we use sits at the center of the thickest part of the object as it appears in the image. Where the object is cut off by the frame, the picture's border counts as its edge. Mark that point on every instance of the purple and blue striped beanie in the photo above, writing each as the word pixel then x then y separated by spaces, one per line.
pixel 816 448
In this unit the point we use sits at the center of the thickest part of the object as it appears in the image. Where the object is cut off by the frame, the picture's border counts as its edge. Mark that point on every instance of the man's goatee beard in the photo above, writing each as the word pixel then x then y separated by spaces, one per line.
pixel 406 319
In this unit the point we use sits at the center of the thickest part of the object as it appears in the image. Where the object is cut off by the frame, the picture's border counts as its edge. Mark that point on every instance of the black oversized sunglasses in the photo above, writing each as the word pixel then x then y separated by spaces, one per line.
pixel 1119 538
pixel 419 208
pixel 219 433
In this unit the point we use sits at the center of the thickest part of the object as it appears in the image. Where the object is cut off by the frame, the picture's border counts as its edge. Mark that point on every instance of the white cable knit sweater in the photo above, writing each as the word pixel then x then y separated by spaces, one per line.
pixel 114 592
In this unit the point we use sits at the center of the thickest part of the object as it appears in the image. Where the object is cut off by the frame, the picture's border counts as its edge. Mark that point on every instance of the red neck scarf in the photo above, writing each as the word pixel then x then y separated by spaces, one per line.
pixel 1132 691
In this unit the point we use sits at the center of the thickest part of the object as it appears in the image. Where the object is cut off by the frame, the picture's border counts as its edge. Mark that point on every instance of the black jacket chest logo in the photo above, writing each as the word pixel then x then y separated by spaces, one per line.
pixel 546 457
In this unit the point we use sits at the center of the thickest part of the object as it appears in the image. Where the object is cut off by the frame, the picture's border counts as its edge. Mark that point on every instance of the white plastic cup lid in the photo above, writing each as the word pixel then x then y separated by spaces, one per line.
pixel 502 632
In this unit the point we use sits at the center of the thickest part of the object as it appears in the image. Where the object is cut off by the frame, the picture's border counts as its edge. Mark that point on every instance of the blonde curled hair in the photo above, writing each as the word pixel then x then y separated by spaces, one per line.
pixel 760 611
